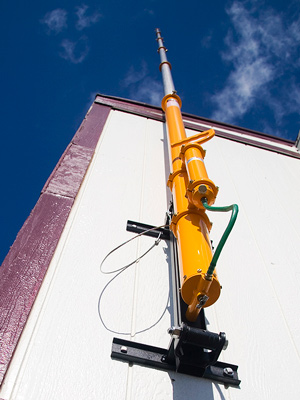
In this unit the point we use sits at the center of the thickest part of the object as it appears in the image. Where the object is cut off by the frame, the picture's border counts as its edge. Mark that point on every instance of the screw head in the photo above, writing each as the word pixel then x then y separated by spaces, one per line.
pixel 199 270
pixel 228 371
pixel 124 349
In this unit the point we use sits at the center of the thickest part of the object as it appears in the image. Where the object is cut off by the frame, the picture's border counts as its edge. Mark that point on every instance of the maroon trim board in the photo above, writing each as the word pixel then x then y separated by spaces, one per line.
pixel 25 266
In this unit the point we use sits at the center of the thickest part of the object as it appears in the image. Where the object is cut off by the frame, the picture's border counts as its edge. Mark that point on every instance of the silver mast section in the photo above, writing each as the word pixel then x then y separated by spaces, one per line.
pixel 165 66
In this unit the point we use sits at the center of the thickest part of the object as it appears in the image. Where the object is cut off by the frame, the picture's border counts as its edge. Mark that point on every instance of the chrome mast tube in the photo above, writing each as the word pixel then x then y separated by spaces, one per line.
pixel 165 66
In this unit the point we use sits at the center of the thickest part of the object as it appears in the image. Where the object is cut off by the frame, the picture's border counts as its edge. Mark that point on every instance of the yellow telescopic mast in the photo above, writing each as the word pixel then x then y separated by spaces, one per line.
pixel 190 185
pixel 193 349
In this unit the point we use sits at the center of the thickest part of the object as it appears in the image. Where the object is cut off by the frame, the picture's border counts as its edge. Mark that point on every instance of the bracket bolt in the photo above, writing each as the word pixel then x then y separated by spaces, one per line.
pixel 124 349
pixel 199 270
pixel 228 371
pixel 175 331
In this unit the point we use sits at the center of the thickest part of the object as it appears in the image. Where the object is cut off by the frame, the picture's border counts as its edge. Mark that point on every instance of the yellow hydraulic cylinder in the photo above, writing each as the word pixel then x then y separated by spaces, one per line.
pixel 189 183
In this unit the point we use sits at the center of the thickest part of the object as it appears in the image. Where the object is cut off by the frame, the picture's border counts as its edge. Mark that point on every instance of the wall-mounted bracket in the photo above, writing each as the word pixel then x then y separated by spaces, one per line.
pixel 139 227
pixel 193 350
pixel 187 354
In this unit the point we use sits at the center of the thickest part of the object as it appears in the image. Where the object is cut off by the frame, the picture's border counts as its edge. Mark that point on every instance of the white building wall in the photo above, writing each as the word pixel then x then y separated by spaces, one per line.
pixel 64 351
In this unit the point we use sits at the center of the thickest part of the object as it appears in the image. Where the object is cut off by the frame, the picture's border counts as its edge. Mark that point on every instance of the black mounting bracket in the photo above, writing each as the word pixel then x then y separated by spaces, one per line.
pixel 138 227
pixel 193 350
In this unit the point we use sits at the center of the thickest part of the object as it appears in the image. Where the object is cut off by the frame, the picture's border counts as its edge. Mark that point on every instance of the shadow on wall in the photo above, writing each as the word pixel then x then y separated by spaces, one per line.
pixel 188 387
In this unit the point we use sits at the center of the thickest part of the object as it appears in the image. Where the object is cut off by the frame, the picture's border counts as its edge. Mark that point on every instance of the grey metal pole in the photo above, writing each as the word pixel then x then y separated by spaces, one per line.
pixel 165 66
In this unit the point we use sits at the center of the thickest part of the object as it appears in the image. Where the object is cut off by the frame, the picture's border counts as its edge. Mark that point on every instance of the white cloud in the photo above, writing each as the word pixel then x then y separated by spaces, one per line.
pixel 149 91
pixel 134 76
pixel 206 40
pixel 241 89
pixel 143 87
pixel 55 20
pixel 75 52
pixel 260 49
pixel 85 21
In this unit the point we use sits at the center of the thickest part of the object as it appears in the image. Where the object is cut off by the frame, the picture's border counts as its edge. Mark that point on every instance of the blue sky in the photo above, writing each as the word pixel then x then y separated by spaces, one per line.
pixel 234 61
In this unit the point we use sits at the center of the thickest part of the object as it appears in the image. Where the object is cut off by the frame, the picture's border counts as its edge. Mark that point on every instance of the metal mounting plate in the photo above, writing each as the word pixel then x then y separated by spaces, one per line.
pixel 157 357
pixel 141 354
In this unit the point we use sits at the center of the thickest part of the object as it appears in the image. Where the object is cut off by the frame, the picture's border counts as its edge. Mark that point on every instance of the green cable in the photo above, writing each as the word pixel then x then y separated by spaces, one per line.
pixel 235 209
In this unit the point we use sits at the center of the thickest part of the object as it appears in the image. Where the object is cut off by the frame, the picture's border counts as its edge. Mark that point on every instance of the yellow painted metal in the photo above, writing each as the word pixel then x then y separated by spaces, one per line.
pixel 199 185
pixel 189 183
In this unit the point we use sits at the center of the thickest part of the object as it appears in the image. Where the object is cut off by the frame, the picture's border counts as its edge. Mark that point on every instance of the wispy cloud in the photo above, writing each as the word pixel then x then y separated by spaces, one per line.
pixel 206 40
pixel 142 87
pixel 55 20
pixel 85 21
pixel 261 47
pixel 148 11
pixel 133 76
pixel 75 52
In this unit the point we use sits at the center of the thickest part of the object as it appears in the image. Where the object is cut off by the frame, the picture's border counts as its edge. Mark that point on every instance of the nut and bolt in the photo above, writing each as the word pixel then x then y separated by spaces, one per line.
pixel 225 345
pixel 202 300
pixel 228 371
pixel 208 277
pixel 175 331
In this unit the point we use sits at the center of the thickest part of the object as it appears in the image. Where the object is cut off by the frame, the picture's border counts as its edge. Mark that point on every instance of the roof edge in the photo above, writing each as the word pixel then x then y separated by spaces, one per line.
pixel 116 101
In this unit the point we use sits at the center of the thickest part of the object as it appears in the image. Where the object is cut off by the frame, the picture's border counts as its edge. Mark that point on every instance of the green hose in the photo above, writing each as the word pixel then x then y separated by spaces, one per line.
pixel 235 209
